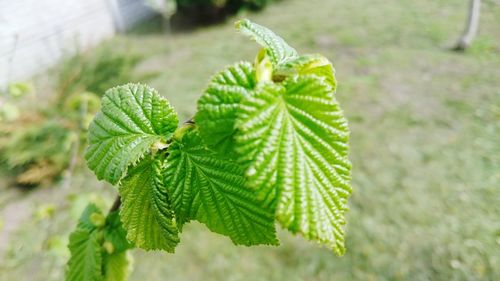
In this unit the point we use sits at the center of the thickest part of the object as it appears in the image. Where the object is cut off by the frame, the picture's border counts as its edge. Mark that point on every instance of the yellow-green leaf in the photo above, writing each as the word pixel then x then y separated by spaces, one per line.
pixel 293 140
pixel 218 105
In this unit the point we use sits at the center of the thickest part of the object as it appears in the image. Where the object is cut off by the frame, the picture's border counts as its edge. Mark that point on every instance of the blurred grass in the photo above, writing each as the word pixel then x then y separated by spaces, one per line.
pixel 425 148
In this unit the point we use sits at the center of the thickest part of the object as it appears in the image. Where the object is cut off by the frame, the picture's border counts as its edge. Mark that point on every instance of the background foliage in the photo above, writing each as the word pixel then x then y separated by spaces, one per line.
pixel 43 140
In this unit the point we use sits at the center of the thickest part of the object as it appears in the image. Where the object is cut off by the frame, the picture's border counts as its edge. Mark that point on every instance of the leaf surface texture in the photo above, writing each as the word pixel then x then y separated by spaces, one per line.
pixel 293 141
pixel 86 256
pixel 211 189
pixel 145 210
pixel 218 106
pixel 132 119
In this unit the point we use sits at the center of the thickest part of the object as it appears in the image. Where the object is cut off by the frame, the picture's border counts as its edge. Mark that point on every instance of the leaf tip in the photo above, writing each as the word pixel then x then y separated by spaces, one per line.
pixel 241 23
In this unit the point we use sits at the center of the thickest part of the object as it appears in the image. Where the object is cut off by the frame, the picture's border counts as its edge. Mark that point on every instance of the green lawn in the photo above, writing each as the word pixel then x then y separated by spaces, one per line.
pixel 425 148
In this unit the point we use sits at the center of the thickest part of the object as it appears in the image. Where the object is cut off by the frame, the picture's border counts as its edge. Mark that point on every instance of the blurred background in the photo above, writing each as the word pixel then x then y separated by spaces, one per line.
pixel 424 115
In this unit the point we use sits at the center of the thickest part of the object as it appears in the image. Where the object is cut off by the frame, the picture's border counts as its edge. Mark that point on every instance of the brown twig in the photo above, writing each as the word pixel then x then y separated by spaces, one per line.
pixel 116 205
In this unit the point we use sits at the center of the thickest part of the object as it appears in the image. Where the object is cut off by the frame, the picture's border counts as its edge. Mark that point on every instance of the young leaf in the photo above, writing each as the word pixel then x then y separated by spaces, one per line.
pixel 293 137
pixel 263 67
pixel 117 266
pixel 277 49
pixel 309 64
pixel 85 221
pixel 86 256
pixel 211 189
pixel 133 118
pixel 145 210
pixel 217 107
pixel 115 234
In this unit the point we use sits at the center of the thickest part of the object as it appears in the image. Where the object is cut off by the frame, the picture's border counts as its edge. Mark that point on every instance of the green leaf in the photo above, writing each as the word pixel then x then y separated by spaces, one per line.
pixel 86 256
pixel 218 105
pixel 277 49
pixel 211 189
pixel 85 221
pixel 117 266
pixel 133 118
pixel 145 209
pixel 115 233
pixel 293 139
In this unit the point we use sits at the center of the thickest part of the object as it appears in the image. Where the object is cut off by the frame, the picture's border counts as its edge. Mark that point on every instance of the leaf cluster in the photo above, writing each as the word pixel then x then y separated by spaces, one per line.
pixel 98 248
pixel 269 143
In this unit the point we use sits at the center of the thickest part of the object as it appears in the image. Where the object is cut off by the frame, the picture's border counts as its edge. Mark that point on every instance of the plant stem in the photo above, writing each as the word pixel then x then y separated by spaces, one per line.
pixel 116 205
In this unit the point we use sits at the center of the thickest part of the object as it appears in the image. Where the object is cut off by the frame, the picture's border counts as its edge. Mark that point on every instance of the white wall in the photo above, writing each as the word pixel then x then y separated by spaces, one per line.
pixel 34 34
